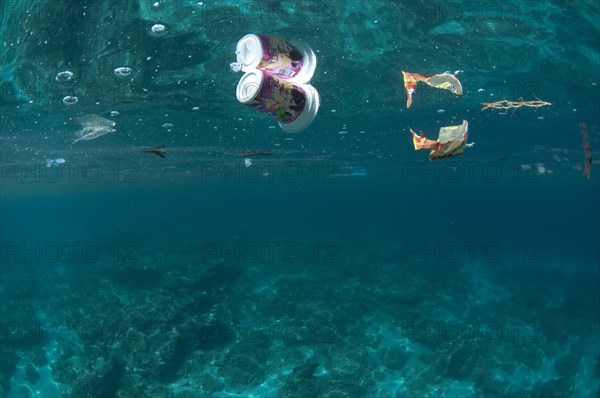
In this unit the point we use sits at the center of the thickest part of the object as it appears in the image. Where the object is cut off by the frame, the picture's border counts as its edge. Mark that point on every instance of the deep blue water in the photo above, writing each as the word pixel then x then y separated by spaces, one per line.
pixel 344 264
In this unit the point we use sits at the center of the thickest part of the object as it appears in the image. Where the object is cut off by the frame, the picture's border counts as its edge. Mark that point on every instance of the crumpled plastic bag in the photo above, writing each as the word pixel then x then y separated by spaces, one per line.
pixel 92 127
pixel 452 141
pixel 445 81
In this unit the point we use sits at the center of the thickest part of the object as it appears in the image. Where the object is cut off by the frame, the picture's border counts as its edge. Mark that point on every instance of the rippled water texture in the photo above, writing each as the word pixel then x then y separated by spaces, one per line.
pixel 159 238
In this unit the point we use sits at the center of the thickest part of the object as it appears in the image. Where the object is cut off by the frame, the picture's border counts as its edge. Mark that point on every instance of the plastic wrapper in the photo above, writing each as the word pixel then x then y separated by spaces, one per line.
pixel 92 127
pixel 452 141
pixel 445 81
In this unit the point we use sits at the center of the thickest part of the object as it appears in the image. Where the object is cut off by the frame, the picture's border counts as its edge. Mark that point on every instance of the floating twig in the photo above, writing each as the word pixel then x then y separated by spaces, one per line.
pixel 587 149
pixel 256 153
pixel 157 150
pixel 506 104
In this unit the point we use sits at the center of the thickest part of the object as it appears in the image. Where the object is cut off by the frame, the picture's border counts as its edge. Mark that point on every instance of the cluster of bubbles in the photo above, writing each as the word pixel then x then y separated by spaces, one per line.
pixel 64 77
pixel 157 29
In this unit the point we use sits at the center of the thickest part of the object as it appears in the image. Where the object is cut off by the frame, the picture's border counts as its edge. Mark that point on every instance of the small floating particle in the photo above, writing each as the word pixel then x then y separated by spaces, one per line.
pixel 480 90
pixel 114 113
pixel 441 111
pixel 168 125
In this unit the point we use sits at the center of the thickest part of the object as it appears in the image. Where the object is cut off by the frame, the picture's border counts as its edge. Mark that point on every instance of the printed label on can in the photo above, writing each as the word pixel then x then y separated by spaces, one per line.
pixel 280 57
pixel 282 100
pixel 287 72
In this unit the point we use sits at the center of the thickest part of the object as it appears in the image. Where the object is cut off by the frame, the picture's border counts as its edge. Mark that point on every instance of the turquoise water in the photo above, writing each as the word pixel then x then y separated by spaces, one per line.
pixel 343 264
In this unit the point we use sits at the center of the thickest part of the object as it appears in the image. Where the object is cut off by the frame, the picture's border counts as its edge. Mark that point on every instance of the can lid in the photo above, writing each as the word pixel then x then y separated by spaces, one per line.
pixel 309 63
pixel 309 113
pixel 249 51
pixel 249 86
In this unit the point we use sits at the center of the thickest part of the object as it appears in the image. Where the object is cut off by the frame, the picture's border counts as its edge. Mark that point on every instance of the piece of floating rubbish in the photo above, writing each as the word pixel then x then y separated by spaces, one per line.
pixel 445 81
pixel 293 105
pixel 587 149
pixel 293 61
pixel 235 67
pixel 505 104
pixel 54 162
pixel 256 153
pixel 92 127
pixel 452 141
pixel 157 150
pixel 359 171
pixel 276 79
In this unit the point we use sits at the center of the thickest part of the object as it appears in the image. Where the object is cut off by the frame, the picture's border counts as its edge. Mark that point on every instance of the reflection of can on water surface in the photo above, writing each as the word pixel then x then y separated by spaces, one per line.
pixel 294 106
pixel 293 61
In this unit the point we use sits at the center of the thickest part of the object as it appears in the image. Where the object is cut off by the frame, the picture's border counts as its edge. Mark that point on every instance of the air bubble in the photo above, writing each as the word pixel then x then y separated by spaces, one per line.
pixel 64 76
pixel 70 100
pixel 158 29
pixel 122 71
